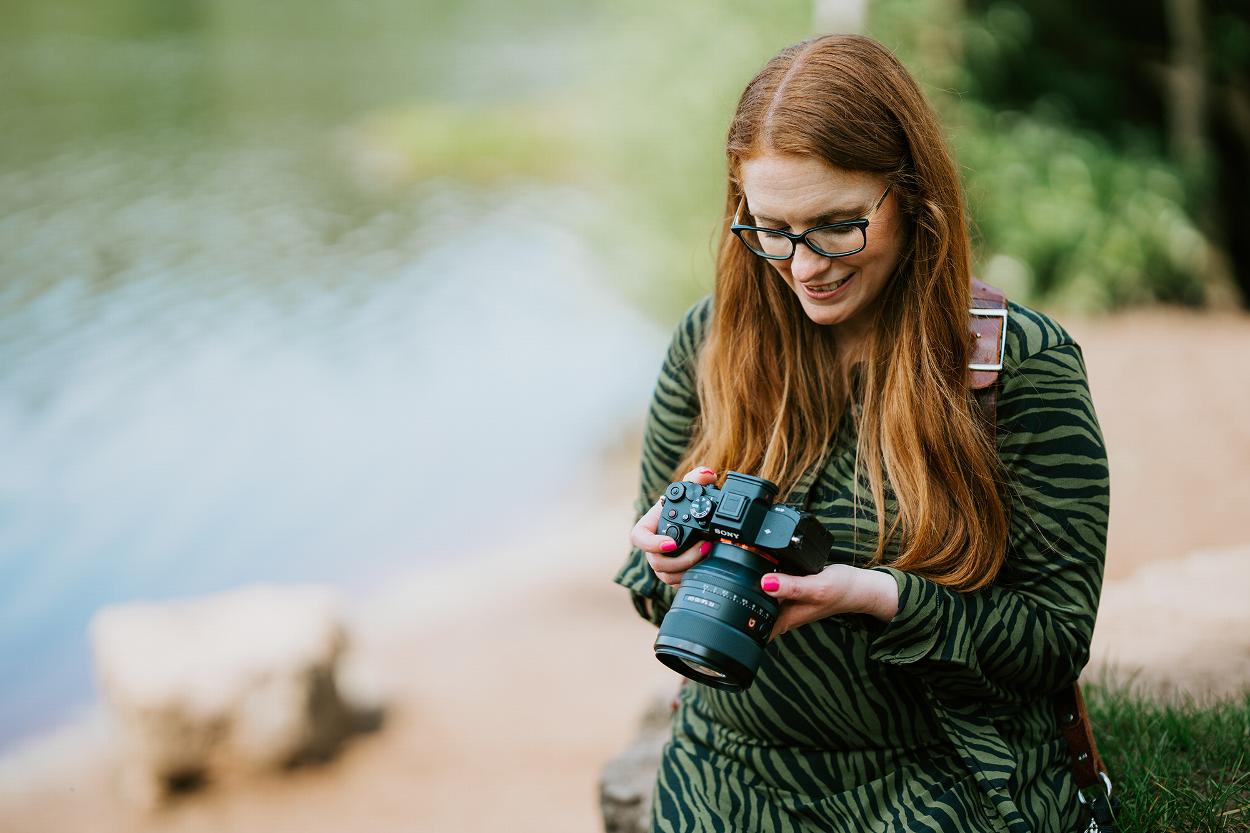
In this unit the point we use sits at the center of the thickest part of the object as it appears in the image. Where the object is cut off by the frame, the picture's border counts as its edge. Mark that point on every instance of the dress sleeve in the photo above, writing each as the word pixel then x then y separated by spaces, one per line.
pixel 666 435
pixel 1030 630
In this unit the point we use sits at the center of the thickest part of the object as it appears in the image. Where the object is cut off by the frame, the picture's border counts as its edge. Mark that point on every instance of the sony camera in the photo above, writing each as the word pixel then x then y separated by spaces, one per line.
pixel 717 628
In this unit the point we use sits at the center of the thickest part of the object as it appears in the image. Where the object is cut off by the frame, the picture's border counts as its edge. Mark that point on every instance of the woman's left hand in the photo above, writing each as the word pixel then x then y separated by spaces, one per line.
pixel 839 588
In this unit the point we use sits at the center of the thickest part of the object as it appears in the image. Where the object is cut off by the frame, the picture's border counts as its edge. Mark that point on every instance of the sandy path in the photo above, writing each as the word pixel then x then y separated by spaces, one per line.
pixel 1178 625
pixel 516 677
pixel 1172 391
pixel 512 686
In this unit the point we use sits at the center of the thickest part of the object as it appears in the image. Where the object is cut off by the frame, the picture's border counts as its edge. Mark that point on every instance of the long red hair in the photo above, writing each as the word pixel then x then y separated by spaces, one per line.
pixel 769 392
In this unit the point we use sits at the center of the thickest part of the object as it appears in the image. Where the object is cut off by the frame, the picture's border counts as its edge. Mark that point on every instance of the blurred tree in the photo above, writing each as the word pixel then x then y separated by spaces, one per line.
pixel 1170 78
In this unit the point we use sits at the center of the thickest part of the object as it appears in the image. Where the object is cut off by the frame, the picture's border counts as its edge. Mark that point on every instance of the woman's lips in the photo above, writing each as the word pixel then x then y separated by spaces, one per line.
pixel 826 294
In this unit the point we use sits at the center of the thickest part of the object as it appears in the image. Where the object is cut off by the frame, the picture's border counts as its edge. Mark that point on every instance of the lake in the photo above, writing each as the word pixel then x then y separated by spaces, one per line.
pixel 246 333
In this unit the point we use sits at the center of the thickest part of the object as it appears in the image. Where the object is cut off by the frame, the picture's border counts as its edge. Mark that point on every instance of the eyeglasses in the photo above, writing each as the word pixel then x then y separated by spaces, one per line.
pixel 832 240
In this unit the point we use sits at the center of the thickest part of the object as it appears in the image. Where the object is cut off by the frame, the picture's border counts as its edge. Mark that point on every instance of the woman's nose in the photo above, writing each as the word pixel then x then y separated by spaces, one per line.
pixel 806 264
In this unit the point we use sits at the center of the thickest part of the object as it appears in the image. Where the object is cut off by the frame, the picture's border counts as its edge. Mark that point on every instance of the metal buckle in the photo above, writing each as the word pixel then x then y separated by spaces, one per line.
pixel 1101 809
pixel 1106 781
pixel 1002 337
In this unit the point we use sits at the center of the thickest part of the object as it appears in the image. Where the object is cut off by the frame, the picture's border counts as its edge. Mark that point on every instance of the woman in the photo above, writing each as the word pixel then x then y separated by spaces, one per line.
pixel 913 692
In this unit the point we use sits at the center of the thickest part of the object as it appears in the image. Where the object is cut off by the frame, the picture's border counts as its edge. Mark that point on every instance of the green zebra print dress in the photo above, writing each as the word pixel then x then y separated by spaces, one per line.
pixel 939 720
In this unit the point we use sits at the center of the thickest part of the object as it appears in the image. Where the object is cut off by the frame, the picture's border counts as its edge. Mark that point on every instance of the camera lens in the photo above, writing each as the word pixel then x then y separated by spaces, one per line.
pixel 719 623
pixel 703 669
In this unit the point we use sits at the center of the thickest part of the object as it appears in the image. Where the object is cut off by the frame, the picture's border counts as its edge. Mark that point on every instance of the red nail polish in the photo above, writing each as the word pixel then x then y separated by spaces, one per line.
pixel 770 583
pixel 668 546
pixel 705 548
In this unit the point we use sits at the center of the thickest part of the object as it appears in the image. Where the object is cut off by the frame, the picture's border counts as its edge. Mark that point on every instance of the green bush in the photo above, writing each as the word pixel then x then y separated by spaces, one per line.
pixel 1061 218
pixel 1063 215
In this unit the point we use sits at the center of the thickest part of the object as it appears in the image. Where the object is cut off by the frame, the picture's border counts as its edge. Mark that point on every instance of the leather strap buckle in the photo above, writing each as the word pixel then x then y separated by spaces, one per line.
pixel 1106 783
pixel 1000 314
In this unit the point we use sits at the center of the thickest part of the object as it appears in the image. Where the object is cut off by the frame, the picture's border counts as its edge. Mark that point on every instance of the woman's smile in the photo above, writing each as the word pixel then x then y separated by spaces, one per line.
pixel 827 290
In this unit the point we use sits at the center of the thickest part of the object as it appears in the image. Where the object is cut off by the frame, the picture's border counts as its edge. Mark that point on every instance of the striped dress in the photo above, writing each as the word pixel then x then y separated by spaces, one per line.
pixel 939 720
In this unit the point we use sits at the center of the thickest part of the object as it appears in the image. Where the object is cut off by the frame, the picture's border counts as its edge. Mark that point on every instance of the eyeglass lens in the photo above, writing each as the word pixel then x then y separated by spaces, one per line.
pixel 838 240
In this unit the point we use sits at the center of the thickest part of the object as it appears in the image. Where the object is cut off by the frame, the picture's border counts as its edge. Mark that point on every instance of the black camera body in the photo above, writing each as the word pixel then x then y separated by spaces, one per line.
pixel 743 513
pixel 720 620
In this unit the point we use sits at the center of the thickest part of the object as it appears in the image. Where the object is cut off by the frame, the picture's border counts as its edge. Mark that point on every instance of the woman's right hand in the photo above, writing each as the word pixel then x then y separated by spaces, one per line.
pixel 669 568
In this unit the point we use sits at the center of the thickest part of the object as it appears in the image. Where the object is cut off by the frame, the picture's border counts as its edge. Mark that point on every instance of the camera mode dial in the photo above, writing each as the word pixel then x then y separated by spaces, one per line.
pixel 701 507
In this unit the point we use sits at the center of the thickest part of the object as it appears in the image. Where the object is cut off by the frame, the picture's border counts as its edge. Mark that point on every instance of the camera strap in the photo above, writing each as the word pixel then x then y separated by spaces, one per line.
pixel 988 322
pixel 987 319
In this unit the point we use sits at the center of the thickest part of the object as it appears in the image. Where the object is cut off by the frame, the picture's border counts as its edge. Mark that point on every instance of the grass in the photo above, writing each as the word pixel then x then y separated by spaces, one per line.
pixel 1177 765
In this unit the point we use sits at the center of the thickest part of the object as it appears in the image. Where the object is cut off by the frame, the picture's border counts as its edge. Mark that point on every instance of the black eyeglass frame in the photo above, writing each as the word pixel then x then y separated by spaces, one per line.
pixel 860 223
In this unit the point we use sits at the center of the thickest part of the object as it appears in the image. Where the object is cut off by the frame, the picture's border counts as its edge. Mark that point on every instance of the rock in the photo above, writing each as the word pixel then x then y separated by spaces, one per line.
pixel 237 682
pixel 627 780
pixel 1177 627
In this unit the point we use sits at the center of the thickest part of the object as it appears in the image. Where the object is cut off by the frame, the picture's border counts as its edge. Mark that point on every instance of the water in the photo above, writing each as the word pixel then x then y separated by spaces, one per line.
pixel 227 354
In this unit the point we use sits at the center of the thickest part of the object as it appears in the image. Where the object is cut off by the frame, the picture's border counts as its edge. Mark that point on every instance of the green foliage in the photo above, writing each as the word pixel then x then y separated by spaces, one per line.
pixel 1064 215
pixel 1177 766
pixel 481 145
pixel 1063 218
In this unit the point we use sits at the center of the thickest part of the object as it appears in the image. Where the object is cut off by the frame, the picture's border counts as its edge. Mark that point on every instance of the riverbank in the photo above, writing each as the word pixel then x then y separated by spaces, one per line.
pixel 515 672
pixel 512 676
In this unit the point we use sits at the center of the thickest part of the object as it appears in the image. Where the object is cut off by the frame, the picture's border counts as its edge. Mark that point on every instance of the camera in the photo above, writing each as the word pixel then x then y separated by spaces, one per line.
pixel 717 628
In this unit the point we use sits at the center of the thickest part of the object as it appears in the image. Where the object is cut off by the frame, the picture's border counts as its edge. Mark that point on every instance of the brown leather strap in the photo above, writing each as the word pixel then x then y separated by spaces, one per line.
pixel 988 332
pixel 987 349
pixel 1074 722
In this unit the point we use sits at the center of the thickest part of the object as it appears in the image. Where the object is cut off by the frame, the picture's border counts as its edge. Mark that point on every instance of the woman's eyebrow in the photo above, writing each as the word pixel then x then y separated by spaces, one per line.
pixel 833 214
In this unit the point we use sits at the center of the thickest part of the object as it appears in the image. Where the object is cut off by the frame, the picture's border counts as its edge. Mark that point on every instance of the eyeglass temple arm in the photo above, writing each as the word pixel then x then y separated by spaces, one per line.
pixel 880 200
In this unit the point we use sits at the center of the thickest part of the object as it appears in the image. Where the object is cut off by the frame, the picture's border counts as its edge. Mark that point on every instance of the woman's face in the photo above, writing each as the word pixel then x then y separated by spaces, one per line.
pixel 794 193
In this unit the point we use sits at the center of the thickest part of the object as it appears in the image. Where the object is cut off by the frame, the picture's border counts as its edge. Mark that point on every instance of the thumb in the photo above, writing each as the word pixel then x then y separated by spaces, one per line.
pixel 783 586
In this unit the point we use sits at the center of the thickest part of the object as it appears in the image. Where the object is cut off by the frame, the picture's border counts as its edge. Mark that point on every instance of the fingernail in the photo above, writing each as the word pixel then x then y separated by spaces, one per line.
pixel 668 546
pixel 707 471
pixel 705 548
pixel 770 583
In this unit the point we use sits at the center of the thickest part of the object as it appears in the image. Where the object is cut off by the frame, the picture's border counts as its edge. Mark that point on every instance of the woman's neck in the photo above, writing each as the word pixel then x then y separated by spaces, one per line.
pixel 853 339
pixel 851 350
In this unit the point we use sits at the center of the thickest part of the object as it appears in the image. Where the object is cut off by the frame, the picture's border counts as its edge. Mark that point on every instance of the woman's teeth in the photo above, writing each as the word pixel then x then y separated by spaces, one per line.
pixel 828 287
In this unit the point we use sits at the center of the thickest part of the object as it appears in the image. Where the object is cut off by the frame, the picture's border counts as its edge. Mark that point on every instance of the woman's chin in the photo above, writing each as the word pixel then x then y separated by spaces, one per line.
pixel 824 314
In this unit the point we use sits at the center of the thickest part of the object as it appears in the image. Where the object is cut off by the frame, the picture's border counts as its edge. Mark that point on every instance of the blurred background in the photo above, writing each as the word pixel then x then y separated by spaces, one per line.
pixel 372 294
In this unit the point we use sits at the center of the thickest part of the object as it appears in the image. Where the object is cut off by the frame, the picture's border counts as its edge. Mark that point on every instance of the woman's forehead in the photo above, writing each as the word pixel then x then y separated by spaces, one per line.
pixel 804 188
